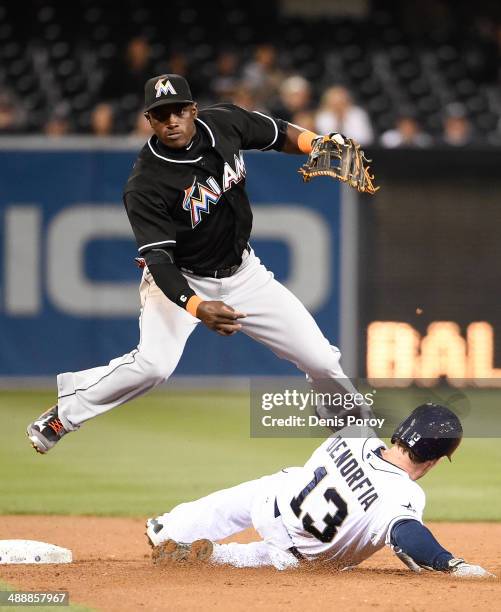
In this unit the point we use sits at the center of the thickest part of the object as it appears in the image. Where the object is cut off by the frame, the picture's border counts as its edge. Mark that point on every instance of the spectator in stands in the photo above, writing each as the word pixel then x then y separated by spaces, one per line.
pixel 142 128
pixel 406 133
pixel 127 75
pixel 457 130
pixel 58 123
pixel 295 97
pixel 12 115
pixel 102 119
pixel 245 98
pixel 225 81
pixel 263 76
pixel 177 63
pixel 337 113
pixel 56 126
pixel 305 118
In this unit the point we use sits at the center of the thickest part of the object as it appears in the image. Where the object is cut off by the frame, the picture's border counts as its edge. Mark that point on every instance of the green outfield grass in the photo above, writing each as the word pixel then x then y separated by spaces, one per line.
pixel 169 447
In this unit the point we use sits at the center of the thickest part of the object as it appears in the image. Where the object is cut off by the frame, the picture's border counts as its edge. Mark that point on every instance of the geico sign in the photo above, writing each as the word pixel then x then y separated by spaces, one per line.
pixel 61 272
pixel 397 355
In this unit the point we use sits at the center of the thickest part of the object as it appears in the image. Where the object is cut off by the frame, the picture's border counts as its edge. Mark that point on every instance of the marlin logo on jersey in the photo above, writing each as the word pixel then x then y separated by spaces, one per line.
pixel 207 194
pixel 164 88
pixel 211 192
pixel 230 176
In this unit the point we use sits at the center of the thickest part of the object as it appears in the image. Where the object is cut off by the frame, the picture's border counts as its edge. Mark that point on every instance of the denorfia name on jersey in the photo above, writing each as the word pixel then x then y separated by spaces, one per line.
pixel 198 197
pixel 350 470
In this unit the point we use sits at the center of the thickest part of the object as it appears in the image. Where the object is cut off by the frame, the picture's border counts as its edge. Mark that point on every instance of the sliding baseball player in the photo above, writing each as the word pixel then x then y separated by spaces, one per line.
pixel 353 496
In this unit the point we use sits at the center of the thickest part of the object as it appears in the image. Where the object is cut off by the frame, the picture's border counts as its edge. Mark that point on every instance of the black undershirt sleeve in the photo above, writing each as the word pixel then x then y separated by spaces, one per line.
pixel 418 542
pixel 168 277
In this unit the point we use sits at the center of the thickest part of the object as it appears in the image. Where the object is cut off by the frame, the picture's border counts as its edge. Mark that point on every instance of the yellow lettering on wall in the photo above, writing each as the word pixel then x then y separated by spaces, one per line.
pixel 443 353
pixel 480 339
pixel 397 355
pixel 392 353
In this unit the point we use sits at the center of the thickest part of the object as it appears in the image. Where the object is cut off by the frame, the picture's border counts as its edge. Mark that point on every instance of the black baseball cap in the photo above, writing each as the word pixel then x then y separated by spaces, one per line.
pixel 166 89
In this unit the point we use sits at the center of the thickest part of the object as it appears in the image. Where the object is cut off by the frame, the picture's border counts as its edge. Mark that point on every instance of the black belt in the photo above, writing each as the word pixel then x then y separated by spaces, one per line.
pixel 292 549
pixel 220 273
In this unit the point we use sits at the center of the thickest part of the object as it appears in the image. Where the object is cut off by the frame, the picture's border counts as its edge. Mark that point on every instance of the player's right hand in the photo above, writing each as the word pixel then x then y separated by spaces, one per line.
pixel 220 317
pixel 462 569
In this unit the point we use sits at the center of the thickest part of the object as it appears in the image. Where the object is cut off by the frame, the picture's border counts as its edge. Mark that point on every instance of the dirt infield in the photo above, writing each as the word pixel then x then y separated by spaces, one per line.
pixel 112 571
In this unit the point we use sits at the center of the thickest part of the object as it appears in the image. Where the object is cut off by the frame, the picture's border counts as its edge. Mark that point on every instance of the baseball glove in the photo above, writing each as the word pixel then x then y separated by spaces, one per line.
pixel 341 158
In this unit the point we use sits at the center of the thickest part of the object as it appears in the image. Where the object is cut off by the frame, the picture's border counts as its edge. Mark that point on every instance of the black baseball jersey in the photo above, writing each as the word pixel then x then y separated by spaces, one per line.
pixel 193 200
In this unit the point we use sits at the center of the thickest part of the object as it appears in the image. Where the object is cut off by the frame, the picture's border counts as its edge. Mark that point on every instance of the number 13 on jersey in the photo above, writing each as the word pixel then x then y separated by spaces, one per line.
pixel 332 521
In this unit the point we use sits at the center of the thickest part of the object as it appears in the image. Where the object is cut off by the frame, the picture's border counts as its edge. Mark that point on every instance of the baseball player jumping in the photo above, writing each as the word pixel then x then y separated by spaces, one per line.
pixel 353 496
pixel 191 218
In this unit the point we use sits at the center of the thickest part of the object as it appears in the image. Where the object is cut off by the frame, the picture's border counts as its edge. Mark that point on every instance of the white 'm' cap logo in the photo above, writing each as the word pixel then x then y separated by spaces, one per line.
pixel 164 88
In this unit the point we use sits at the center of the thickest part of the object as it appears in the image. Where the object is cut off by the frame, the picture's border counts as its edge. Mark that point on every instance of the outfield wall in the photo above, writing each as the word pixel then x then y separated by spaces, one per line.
pixel 431 270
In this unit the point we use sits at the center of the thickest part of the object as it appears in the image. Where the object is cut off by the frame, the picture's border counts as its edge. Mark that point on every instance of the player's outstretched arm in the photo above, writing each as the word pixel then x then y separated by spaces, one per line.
pixel 415 545
pixel 300 141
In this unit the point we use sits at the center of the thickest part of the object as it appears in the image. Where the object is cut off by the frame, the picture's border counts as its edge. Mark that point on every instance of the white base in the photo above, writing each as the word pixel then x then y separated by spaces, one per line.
pixel 31 551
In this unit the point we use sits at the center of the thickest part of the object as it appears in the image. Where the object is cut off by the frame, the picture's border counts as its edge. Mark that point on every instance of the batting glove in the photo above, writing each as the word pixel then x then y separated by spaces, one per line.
pixel 461 569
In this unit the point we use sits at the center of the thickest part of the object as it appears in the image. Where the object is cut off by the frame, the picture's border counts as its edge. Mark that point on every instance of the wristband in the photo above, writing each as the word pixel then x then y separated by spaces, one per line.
pixel 192 305
pixel 304 141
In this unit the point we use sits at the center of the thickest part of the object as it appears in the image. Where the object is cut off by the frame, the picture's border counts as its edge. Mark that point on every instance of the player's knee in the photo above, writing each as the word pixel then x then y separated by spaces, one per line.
pixel 323 372
pixel 326 364
pixel 156 371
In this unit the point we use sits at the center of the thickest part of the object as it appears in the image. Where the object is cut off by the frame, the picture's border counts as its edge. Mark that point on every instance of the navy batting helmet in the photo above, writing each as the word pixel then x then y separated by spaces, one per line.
pixel 431 431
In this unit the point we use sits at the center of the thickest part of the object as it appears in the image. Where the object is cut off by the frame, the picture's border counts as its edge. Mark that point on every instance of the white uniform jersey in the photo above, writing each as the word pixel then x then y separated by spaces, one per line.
pixel 342 504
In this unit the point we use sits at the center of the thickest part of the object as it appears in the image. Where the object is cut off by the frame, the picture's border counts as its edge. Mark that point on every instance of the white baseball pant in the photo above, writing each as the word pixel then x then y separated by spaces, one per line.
pixel 275 317
pixel 229 511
